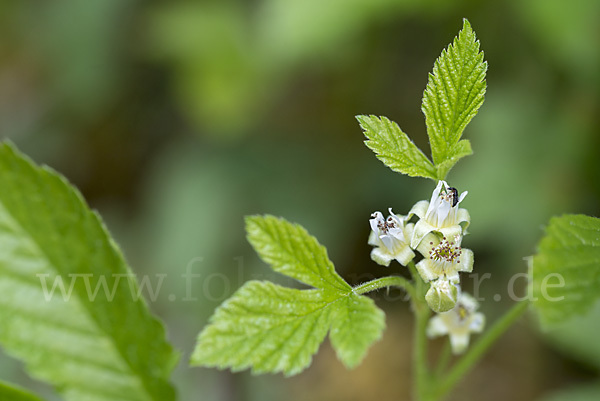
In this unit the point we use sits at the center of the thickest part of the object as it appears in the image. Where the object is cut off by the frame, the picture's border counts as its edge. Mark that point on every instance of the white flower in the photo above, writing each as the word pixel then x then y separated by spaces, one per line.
pixel 458 323
pixel 442 295
pixel 390 238
pixel 441 214
pixel 443 258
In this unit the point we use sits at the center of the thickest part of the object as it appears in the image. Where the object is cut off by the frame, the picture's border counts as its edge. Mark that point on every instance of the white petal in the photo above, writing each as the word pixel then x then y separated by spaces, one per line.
pixel 388 242
pixel 380 257
pixel 404 255
pixel 408 230
pixel 425 271
pixel 477 322
pixel 442 213
pixel 435 202
pixel 430 241
pixel 422 228
pixel 451 232
pixel 468 302
pixel 419 209
pixel 436 327
pixel 453 276
pixel 398 219
pixel 376 220
pixel 461 197
pixel 374 239
pixel 459 342
pixel 463 216
pixel 397 233
pixel 466 261
pixel 437 190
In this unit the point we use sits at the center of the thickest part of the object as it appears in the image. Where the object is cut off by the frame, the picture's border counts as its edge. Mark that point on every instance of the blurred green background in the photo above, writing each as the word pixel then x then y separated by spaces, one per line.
pixel 177 118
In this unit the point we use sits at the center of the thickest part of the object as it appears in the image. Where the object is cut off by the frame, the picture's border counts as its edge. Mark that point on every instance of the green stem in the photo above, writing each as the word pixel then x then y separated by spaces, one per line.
pixel 463 365
pixel 422 313
pixel 420 368
pixel 390 281
pixel 416 277
pixel 443 360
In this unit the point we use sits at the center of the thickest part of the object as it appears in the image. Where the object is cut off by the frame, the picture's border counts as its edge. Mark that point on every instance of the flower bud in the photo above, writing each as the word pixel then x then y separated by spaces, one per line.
pixel 442 295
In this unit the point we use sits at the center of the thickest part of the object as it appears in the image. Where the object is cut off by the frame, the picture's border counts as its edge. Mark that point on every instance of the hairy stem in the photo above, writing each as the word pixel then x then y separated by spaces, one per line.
pixel 384 282
pixel 464 364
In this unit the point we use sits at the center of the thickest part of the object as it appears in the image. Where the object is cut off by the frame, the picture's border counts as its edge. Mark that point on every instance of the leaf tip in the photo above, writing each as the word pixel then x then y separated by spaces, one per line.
pixel 466 24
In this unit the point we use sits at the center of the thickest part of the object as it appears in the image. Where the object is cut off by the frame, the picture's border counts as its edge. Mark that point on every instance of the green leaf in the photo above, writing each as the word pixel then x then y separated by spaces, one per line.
pixel 10 393
pixel 101 346
pixel 394 148
pixel 276 329
pixel 460 150
pixel 290 250
pixel 354 327
pixel 453 95
pixel 267 327
pixel 566 268
pixel 270 328
pixel 578 337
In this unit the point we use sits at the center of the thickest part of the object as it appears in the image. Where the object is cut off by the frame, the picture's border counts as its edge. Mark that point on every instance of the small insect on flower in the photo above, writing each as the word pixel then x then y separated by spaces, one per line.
pixel 452 195
pixel 442 214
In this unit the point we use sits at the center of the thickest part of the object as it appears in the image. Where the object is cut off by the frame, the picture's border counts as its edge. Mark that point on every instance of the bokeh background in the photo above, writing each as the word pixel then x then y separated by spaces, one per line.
pixel 177 118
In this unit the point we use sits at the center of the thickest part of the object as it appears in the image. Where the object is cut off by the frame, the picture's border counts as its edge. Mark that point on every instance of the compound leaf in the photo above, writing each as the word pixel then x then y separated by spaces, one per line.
pixel 273 329
pixel 270 328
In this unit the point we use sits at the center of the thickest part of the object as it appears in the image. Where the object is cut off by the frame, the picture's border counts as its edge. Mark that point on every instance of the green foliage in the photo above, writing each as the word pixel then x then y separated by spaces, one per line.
pixel 570 251
pixel 291 251
pixel 99 345
pixel 8 392
pixel 578 337
pixel 453 95
pixel 276 329
pixel 394 148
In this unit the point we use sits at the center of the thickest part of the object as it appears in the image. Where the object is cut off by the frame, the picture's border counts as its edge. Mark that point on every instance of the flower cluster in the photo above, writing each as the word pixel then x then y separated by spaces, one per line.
pixel 437 236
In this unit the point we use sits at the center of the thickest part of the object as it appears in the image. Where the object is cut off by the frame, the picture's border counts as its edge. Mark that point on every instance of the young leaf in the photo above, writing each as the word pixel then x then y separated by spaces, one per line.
pixel 53 250
pixel 290 250
pixel 394 148
pixel 566 269
pixel 453 95
pixel 10 393
pixel 270 328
